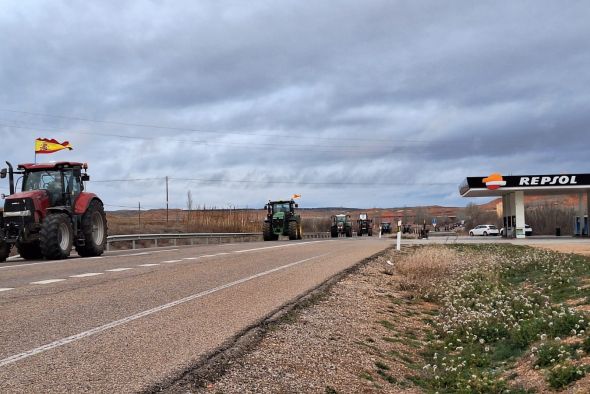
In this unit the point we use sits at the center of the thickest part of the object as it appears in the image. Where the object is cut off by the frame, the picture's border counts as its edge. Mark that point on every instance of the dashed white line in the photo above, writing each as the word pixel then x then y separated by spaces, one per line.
pixel 17 258
pixel 6 289
pixel 47 281
pixel 170 261
pixel 116 323
pixel 86 275
pixel 148 265
pixel 191 258
pixel 119 269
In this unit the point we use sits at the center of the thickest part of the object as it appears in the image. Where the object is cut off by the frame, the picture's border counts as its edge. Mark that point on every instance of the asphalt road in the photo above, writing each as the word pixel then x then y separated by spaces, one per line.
pixel 129 320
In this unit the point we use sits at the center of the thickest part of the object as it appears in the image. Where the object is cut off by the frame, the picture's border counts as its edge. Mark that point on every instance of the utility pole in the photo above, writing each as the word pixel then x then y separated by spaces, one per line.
pixel 166 199
pixel 139 214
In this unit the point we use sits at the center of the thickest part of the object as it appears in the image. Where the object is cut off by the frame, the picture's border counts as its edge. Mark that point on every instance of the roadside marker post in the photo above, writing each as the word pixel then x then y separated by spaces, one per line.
pixel 399 235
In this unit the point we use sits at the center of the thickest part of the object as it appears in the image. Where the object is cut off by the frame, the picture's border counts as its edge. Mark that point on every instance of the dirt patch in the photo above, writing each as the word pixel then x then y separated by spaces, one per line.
pixel 583 249
pixel 363 336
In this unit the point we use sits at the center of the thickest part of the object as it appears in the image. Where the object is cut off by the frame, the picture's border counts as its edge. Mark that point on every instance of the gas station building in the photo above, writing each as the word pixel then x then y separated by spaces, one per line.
pixel 513 189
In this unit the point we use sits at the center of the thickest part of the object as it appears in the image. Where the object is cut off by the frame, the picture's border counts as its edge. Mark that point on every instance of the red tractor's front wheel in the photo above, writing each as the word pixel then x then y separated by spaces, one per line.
pixel 56 236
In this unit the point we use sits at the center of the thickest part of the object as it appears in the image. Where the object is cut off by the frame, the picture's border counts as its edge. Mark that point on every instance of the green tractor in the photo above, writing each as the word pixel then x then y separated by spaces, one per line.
pixel 281 219
pixel 341 224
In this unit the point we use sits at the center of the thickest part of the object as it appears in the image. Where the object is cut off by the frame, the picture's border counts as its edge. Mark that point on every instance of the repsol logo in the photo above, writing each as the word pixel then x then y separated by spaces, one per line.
pixel 547 180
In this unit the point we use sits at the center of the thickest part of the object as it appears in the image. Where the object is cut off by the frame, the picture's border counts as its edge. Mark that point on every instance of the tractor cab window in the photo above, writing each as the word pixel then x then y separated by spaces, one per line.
pixel 341 218
pixel 42 180
pixel 72 182
pixel 281 207
pixel 45 180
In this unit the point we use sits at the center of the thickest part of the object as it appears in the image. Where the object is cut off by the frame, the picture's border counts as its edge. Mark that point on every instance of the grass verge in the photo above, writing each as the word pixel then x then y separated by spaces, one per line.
pixel 501 307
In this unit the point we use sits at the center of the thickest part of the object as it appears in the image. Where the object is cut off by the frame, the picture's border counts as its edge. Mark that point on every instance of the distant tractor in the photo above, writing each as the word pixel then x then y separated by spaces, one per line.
pixel 385 228
pixel 281 219
pixel 51 214
pixel 341 224
pixel 365 225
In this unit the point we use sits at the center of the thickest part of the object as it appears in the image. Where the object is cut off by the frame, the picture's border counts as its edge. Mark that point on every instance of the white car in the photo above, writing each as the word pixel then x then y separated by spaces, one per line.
pixel 528 230
pixel 484 229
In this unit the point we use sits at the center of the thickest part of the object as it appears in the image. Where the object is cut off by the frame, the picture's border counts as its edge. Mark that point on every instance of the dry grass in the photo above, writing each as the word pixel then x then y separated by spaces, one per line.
pixel 204 221
pixel 427 265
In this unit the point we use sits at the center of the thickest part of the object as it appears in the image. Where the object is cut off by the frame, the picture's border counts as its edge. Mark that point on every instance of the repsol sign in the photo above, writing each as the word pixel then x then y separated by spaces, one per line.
pixel 548 180
pixel 498 181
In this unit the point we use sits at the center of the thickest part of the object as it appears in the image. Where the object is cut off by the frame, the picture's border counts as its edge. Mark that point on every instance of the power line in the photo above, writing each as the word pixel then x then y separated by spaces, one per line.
pixel 160 127
pixel 245 145
pixel 218 132
pixel 127 180
pixel 273 182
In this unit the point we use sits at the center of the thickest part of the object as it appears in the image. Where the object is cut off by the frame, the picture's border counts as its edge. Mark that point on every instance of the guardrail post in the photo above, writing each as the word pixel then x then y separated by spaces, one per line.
pixel 108 246
pixel 174 242
pixel 133 244
pixel 155 242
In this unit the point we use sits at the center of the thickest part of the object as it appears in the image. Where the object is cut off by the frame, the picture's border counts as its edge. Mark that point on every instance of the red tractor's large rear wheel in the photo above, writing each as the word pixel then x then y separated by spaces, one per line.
pixel 56 236
pixel 94 228
pixel 4 251
pixel 29 250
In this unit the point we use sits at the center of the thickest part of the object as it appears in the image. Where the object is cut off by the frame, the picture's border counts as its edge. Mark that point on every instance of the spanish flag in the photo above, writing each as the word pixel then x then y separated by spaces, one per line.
pixel 296 196
pixel 45 145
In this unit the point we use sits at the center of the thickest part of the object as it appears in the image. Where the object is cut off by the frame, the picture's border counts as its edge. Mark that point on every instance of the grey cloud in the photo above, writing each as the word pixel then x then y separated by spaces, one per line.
pixel 376 91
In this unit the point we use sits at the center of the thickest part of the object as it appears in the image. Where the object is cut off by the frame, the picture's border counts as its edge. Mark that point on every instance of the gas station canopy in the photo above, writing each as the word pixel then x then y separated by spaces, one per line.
pixel 513 188
pixel 496 185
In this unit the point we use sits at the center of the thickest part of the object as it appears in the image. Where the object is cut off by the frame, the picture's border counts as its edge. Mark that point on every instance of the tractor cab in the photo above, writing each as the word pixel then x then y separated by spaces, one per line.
pixel 280 209
pixel 62 182
pixel 51 213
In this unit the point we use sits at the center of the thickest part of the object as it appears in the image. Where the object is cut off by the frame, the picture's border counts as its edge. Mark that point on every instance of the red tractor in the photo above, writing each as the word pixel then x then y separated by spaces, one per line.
pixel 52 213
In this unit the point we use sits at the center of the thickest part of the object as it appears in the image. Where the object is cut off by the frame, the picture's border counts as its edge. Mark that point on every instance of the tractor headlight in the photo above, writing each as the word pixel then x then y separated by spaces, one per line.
pixel 19 214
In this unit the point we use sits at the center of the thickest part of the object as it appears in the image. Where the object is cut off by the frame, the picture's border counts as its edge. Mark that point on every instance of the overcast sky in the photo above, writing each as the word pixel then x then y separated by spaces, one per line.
pixel 355 103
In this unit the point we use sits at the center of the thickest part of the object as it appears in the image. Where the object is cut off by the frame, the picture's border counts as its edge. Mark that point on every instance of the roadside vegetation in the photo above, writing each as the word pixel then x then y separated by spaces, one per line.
pixel 508 318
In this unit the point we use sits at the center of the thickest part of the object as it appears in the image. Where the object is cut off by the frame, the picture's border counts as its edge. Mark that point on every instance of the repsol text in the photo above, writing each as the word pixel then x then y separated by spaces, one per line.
pixel 547 180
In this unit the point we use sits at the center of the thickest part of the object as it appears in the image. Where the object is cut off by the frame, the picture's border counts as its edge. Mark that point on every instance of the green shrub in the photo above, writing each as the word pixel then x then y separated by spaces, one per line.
pixel 548 354
pixel 563 374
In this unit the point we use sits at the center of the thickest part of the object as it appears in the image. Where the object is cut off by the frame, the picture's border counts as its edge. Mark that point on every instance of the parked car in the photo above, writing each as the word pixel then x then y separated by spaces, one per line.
pixel 484 229
pixel 528 230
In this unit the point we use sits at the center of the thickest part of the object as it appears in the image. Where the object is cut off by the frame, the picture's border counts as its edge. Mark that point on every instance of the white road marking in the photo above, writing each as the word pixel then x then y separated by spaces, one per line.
pixel 191 258
pixel 147 265
pixel 47 281
pixel 87 275
pixel 152 252
pixel 119 269
pixel 14 258
pixel 116 323
pixel 138 254
pixel 170 261
pixel 6 289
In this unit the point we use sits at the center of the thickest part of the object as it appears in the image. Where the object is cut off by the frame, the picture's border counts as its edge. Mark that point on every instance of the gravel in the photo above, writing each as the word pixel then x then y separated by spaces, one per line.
pixel 335 344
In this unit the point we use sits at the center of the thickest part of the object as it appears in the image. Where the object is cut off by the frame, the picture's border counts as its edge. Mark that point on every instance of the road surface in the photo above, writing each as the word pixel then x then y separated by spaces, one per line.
pixel 129 320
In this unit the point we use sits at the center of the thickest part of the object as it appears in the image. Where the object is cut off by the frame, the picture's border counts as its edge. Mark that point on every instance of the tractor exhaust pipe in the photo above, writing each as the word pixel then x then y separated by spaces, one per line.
pixel 10 177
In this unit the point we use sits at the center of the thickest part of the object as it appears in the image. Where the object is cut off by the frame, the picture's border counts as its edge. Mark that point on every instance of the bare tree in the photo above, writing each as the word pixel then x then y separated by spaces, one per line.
pixel 422 216
pixel 474 216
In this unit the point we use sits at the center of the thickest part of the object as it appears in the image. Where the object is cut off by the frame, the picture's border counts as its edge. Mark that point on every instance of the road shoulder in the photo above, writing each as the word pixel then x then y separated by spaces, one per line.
pixel 329 339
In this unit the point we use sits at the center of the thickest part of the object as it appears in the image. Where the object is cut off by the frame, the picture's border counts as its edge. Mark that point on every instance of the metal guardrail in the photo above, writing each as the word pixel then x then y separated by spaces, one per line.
pixel 207 237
